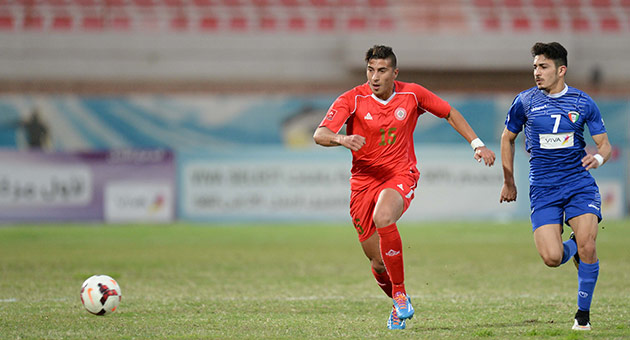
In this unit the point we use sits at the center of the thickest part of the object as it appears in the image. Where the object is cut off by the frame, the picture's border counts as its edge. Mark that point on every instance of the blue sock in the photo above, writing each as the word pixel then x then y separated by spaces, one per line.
pixel 570 248
pixel 587 278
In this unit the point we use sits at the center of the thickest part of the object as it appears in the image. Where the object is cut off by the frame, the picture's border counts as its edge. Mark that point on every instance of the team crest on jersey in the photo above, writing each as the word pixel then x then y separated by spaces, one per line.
pixel 574 116
pixel 331 114
pixel 400 113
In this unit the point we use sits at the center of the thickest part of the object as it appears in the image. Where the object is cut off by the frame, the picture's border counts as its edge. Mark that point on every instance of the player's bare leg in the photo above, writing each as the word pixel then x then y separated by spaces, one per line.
pixel 548 239
pixel 389 207
pixel 585 229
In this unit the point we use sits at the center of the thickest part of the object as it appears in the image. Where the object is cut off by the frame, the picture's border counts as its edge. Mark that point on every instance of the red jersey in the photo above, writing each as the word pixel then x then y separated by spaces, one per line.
pixel 387 126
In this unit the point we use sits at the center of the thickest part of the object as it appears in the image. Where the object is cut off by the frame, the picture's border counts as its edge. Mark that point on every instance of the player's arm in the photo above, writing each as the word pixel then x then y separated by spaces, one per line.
pixel 459 123
pixel 326 137
pixel 508 192
pixel 603 152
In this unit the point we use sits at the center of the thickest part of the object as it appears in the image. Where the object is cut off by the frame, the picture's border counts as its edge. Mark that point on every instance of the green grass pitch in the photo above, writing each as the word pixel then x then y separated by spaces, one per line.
pixel 468 280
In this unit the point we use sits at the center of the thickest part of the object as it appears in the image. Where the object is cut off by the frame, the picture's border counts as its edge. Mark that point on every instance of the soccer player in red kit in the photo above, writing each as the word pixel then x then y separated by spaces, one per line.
pixel 381 117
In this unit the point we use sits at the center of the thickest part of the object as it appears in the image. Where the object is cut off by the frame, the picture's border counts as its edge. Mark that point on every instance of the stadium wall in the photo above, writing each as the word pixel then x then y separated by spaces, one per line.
pixel 251 157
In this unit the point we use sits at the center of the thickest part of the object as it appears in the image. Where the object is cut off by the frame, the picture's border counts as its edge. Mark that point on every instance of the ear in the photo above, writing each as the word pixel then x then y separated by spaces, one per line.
pixel 562 71
pixel 395 73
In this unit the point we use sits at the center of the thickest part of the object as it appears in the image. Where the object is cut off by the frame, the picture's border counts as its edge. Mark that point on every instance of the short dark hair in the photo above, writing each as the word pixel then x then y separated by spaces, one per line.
pixel 381 52
pixel 553 51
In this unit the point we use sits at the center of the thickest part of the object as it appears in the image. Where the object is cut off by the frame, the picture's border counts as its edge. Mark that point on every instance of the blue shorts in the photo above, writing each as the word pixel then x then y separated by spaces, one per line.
pixel 550 204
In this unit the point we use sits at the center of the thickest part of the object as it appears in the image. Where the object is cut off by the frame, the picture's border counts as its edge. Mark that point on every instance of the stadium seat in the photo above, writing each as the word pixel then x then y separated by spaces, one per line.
pixel 601 4
pixel 521 23
pixel 377 3
pixel 491 23
pixel 551 23
pixel 610 24
pixel 357 23
pixel 208 23
pixel 297 23
pixel 92 23
pixel 238 23
pixel 33 21
pixel 120 22
pixel 326 23
pixel 62 22
pixel 7 21
pixel 203 3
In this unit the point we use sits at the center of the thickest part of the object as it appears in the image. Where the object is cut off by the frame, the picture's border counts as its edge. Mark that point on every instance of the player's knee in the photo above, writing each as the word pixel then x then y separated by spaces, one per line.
pixel 587 249
pixel 383 220
pixel 552 261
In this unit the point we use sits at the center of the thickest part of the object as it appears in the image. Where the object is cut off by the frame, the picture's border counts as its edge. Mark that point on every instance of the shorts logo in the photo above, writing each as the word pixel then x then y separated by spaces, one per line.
pixel 574 116
pixel 593 206
pixel 331 114
pixel 400 113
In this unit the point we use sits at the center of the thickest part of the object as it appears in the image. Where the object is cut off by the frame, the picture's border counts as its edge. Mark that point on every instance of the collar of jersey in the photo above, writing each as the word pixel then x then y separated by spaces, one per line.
pixel 559 94
pixel 384 102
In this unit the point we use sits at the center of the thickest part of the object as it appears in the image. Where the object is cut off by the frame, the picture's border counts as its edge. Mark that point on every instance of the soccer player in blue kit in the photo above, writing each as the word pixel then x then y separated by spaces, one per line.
pixel 561 190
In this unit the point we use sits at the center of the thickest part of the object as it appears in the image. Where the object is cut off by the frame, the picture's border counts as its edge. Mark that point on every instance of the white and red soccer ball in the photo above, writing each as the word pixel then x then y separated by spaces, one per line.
pixel 100 294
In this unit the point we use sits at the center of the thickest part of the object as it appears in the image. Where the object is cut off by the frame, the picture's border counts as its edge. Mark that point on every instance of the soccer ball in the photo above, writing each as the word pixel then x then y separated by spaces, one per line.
pixel 100 294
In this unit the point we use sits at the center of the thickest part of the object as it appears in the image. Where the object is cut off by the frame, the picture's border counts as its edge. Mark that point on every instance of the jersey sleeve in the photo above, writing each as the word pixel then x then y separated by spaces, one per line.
pixel 430 102
pixel 594 119
pixel 338 113
pixel 516 116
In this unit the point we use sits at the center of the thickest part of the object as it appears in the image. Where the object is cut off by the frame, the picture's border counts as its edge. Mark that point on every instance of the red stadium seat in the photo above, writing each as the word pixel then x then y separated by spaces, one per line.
pixel 601 4
pixel 232 3
pixel 484 4
pixel 357 23
pixel 33 21
pixel 521 23
pixel 297 24
pixel 115 3
pixel 377 3
pixel 319 3
pixel 326 23
pixel 174 3
pixel 238 23
pixel 551 23
pixel 491 23
pixel 120 22
pixel 208 23
pixel 62 22
pixel 290 3
pixel 92 23
pixel 203 3
pixel 144 3
pixel 610 23
pixel 7 21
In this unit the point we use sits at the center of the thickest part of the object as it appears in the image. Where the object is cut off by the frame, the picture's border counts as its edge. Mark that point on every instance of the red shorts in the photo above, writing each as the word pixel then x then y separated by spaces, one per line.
pixel 365 194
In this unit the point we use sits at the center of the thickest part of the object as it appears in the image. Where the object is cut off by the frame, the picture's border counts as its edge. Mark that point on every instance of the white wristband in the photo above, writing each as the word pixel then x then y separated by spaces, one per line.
pixel 599 159
pixel 476 143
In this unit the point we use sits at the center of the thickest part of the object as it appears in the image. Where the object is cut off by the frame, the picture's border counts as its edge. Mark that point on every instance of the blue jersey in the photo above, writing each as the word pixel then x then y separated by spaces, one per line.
pixel 554 133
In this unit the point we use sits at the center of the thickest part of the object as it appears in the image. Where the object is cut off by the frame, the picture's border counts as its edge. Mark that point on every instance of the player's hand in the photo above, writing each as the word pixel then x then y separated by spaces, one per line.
pixel 353 142
pixel 508 193
pixel 485 154
pixel 589 162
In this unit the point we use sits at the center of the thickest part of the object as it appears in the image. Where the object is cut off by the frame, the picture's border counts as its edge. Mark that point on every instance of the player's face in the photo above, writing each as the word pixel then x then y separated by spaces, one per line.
pixel 381 76
pixel 547 76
